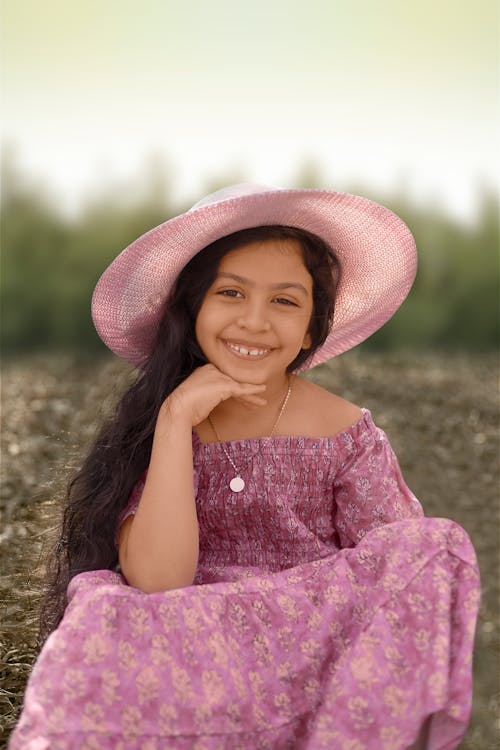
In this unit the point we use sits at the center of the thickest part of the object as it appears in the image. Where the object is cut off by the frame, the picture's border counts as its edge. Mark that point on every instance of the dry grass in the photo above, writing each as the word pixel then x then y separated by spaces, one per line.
pixel 441 414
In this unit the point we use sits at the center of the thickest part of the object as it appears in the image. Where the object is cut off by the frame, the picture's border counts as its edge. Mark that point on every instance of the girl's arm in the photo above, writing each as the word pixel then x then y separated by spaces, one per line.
pixel 158 547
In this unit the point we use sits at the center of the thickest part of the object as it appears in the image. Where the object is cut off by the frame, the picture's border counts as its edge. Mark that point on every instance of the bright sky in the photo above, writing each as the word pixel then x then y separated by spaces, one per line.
pixel 382 94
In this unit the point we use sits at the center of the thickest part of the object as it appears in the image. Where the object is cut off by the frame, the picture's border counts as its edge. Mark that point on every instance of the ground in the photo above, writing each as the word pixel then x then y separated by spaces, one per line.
pixel 440 412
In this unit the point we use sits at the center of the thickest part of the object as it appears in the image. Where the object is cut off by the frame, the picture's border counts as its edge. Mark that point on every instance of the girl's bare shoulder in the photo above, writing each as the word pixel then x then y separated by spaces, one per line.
pixel 321 412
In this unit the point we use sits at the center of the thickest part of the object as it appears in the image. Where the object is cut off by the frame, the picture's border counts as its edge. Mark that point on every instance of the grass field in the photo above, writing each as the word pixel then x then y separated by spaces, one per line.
pixel 440 412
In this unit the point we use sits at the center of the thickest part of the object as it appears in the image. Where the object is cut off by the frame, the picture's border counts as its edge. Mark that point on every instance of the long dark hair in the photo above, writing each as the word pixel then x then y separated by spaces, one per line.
pixel 100 490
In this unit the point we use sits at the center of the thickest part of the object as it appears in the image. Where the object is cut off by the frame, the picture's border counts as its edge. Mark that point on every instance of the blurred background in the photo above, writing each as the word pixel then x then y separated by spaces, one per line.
pixel 119 114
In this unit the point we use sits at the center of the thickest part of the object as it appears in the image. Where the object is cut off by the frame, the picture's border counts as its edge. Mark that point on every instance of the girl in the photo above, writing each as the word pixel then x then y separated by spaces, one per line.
pixel 246 565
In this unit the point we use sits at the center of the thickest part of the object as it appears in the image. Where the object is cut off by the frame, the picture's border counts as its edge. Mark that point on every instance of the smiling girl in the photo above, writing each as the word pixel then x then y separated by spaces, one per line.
pixel 241 563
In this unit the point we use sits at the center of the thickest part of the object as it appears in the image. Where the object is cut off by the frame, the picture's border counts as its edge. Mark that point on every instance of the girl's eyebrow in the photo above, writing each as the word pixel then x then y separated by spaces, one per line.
pixel 281 285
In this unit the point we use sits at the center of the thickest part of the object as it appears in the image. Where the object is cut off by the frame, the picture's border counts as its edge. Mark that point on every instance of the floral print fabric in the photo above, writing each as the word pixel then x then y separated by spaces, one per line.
pixel 326 612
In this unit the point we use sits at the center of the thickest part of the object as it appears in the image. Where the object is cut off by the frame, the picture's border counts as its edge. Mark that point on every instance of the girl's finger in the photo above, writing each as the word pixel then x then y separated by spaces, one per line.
pixel 254 400
pixel 252 387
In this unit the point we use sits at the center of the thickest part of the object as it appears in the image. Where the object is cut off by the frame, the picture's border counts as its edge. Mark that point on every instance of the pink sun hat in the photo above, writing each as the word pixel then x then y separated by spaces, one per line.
pixel 375 249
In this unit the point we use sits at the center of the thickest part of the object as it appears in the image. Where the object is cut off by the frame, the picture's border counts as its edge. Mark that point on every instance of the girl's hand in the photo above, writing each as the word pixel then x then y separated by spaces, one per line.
pixel 203 390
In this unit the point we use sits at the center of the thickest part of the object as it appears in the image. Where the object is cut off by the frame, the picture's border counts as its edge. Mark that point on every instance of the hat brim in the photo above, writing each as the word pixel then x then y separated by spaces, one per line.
pixel 375 249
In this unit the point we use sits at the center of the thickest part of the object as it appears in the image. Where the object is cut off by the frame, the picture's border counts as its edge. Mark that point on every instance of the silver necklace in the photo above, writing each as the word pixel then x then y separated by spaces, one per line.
pixel 237 483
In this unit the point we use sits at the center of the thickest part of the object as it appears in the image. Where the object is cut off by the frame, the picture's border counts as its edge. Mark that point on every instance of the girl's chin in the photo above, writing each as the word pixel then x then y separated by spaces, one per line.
pixel 248 374
pixel 252 372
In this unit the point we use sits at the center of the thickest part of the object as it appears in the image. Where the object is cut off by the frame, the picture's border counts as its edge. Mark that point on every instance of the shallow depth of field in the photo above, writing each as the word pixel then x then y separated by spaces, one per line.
pixel 440 410
pixel 441 414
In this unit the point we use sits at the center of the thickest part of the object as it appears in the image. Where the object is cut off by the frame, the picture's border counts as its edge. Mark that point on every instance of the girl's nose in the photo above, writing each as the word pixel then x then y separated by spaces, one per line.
pixel 254 318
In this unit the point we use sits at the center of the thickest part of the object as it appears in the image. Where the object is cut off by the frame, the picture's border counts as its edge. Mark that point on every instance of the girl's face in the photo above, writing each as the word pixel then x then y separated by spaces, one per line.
pixel 255 317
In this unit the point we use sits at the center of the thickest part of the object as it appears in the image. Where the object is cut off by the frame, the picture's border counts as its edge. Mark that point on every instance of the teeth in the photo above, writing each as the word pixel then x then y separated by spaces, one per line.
pixel 245 351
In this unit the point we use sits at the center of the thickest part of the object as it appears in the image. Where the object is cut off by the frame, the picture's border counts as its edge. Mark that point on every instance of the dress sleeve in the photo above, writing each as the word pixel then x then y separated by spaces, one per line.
pixel 132 504
pixel 369 489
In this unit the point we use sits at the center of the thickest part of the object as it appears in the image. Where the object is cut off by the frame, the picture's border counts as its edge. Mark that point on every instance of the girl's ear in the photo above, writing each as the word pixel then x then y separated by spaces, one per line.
pixel 307 342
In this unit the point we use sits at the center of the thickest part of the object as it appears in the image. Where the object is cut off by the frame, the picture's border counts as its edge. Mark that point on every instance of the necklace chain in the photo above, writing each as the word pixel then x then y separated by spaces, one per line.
pixel 237 484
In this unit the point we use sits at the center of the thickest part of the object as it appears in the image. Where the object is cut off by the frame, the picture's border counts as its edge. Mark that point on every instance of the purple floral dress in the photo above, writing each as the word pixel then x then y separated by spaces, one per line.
pixel 326 612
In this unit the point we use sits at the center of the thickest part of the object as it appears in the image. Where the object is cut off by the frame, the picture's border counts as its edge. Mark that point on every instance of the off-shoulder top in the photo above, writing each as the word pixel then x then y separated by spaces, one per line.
pixel 304 497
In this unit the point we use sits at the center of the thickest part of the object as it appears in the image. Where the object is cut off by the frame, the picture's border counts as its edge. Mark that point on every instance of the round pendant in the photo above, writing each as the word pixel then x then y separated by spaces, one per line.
pixel 237 484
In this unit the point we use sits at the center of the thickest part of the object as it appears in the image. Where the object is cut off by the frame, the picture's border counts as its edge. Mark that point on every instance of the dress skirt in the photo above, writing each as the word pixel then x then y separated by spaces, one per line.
pixel 353 650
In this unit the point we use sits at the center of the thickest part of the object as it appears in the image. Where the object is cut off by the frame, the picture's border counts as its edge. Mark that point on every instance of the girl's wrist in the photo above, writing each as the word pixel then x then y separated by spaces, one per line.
pixel 172 414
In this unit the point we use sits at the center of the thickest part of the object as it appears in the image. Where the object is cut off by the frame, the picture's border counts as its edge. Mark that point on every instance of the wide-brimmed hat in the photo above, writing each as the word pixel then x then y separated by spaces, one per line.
pixel 375 249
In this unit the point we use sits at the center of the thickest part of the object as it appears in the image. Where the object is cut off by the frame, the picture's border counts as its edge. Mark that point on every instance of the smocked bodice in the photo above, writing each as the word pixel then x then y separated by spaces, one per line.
pixel 304 497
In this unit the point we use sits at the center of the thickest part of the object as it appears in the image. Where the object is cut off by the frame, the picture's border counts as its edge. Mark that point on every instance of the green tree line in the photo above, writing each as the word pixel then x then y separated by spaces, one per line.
pixel 50 265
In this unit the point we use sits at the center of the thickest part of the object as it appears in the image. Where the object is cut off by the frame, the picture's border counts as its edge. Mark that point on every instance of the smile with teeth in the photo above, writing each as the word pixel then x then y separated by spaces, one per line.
pixel 245 351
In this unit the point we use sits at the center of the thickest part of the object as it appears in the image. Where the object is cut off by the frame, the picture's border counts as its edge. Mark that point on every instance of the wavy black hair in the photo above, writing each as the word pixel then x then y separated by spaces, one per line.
pixel 100 489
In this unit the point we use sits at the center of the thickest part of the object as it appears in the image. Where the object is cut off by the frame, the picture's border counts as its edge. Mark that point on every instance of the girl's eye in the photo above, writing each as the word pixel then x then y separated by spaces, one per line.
pixel 229 292
pixel 234 293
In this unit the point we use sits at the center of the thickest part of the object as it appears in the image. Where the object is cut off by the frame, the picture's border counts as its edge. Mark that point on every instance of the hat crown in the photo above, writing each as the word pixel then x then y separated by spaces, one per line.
pixel 232 191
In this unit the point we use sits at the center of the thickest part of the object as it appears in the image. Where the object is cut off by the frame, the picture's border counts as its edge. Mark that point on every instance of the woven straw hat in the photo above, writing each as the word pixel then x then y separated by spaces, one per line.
pixel 375 249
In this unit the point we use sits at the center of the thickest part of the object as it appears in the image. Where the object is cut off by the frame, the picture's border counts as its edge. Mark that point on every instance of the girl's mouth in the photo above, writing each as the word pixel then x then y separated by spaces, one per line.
pixel 246 352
